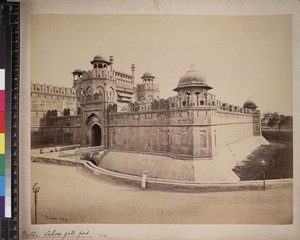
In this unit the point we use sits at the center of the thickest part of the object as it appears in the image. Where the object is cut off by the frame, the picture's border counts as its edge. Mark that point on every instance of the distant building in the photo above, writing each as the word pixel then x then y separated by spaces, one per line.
pixel 106 107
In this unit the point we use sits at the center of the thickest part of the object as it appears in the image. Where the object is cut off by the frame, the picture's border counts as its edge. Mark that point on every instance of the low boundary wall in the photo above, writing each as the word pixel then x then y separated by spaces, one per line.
pixel 161 184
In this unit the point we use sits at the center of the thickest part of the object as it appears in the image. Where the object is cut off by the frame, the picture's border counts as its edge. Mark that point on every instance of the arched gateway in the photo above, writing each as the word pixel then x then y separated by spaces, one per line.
pixel 96 135
pixel 93 131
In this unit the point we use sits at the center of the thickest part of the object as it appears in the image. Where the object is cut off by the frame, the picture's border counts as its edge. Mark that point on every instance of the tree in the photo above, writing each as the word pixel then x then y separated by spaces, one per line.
pixel 279 120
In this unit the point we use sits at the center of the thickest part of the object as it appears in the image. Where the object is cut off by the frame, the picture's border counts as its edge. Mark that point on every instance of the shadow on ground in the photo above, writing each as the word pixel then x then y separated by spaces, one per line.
pixel 279 159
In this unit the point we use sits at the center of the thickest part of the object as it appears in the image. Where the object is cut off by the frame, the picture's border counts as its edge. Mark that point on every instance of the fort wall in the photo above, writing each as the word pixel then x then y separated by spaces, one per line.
pixel 47 97
pixel 186 132
pixel 57 130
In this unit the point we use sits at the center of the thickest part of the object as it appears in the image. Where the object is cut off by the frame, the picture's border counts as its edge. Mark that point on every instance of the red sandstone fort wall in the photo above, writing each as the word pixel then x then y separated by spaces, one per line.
pixel 181 133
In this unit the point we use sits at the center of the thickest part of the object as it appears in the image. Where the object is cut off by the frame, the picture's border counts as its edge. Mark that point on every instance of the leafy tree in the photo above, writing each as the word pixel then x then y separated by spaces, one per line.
pixel 278 119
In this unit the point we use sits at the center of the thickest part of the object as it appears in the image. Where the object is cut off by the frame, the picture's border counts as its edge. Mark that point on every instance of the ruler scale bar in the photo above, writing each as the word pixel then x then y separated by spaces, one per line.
pixel 3 120
pixel 8 97
pixel 9 25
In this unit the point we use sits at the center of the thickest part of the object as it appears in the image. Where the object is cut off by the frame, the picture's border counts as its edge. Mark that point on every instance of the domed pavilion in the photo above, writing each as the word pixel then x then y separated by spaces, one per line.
pixel 249 104
pixel 192 78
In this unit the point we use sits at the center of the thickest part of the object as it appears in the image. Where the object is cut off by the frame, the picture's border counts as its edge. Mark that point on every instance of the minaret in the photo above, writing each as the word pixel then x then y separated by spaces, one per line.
pixel 111 60
pixel 132 70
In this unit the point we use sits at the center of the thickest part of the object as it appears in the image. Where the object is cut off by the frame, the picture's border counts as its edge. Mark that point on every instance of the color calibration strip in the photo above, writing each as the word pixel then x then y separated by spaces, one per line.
pixel 9 142
pixel 8 120
pixel 9 74
pixel 2 122
pixel 9 99
pixel 5 110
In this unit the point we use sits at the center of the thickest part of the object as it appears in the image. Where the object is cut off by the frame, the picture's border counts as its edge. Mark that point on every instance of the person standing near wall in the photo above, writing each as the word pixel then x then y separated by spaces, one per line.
pixel 144 180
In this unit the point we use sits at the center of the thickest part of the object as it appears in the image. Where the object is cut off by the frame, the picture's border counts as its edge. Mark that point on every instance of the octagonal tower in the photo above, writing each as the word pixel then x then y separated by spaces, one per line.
pixel 148 90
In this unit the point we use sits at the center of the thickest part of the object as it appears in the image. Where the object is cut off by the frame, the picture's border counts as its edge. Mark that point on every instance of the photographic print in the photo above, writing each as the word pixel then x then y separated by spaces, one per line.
pixel 161 119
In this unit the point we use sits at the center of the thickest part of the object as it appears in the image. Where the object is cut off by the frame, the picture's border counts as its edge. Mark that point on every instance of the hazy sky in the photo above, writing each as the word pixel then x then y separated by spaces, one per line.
pixel 241 57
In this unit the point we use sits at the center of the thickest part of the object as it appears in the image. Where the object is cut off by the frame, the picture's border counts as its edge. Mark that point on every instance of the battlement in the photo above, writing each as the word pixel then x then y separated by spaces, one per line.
pixel 205 102
pixel 225 107
pixel 148 86
pixel 54 118
pixel 50 89
pixel 123 76
pixel 96 73
pixel 92 97
pixel 122 79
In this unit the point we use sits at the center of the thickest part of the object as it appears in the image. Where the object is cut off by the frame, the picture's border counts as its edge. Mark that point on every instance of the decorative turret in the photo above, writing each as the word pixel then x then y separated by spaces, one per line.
pixel 148 90
pixel 249 104
pixel 252 107
pixel 76 74
pixel 147 77
pixel 101 62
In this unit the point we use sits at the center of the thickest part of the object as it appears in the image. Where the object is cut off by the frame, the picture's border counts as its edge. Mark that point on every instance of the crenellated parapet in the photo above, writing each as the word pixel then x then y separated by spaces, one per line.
pixel 119 77
pixel 225 107
pixel 53 118
pixel 91 97
pixel 123 76
pixel 112 108
pixel 96 73
pixel 177 103
pixel 148 86
pixel 192 99
pixel 154 105
pixel 50 89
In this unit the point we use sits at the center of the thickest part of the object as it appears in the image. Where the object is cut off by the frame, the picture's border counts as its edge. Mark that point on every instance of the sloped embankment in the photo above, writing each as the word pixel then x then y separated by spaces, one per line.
pixel 278 157
pixel 160 167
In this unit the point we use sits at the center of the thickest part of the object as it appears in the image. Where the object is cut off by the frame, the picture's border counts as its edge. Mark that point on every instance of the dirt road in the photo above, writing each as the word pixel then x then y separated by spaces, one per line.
pixel 68 195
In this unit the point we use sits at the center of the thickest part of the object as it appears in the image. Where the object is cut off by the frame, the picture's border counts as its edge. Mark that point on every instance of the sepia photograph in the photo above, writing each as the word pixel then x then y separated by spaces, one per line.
pixel 161 119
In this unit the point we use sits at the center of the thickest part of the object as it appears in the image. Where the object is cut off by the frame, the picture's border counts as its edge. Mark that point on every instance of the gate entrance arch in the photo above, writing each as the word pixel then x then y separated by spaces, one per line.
pixel 96 135
pixel 93 131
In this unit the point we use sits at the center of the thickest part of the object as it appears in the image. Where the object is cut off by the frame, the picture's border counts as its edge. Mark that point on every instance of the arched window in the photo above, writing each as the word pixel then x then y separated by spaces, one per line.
pixel 215 136
pixel 187 95
pixel 202 140
pixel 197 98
pixel 88 91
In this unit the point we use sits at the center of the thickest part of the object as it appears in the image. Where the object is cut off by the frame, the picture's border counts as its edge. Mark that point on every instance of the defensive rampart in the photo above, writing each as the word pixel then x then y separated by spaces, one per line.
pixel 183 132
